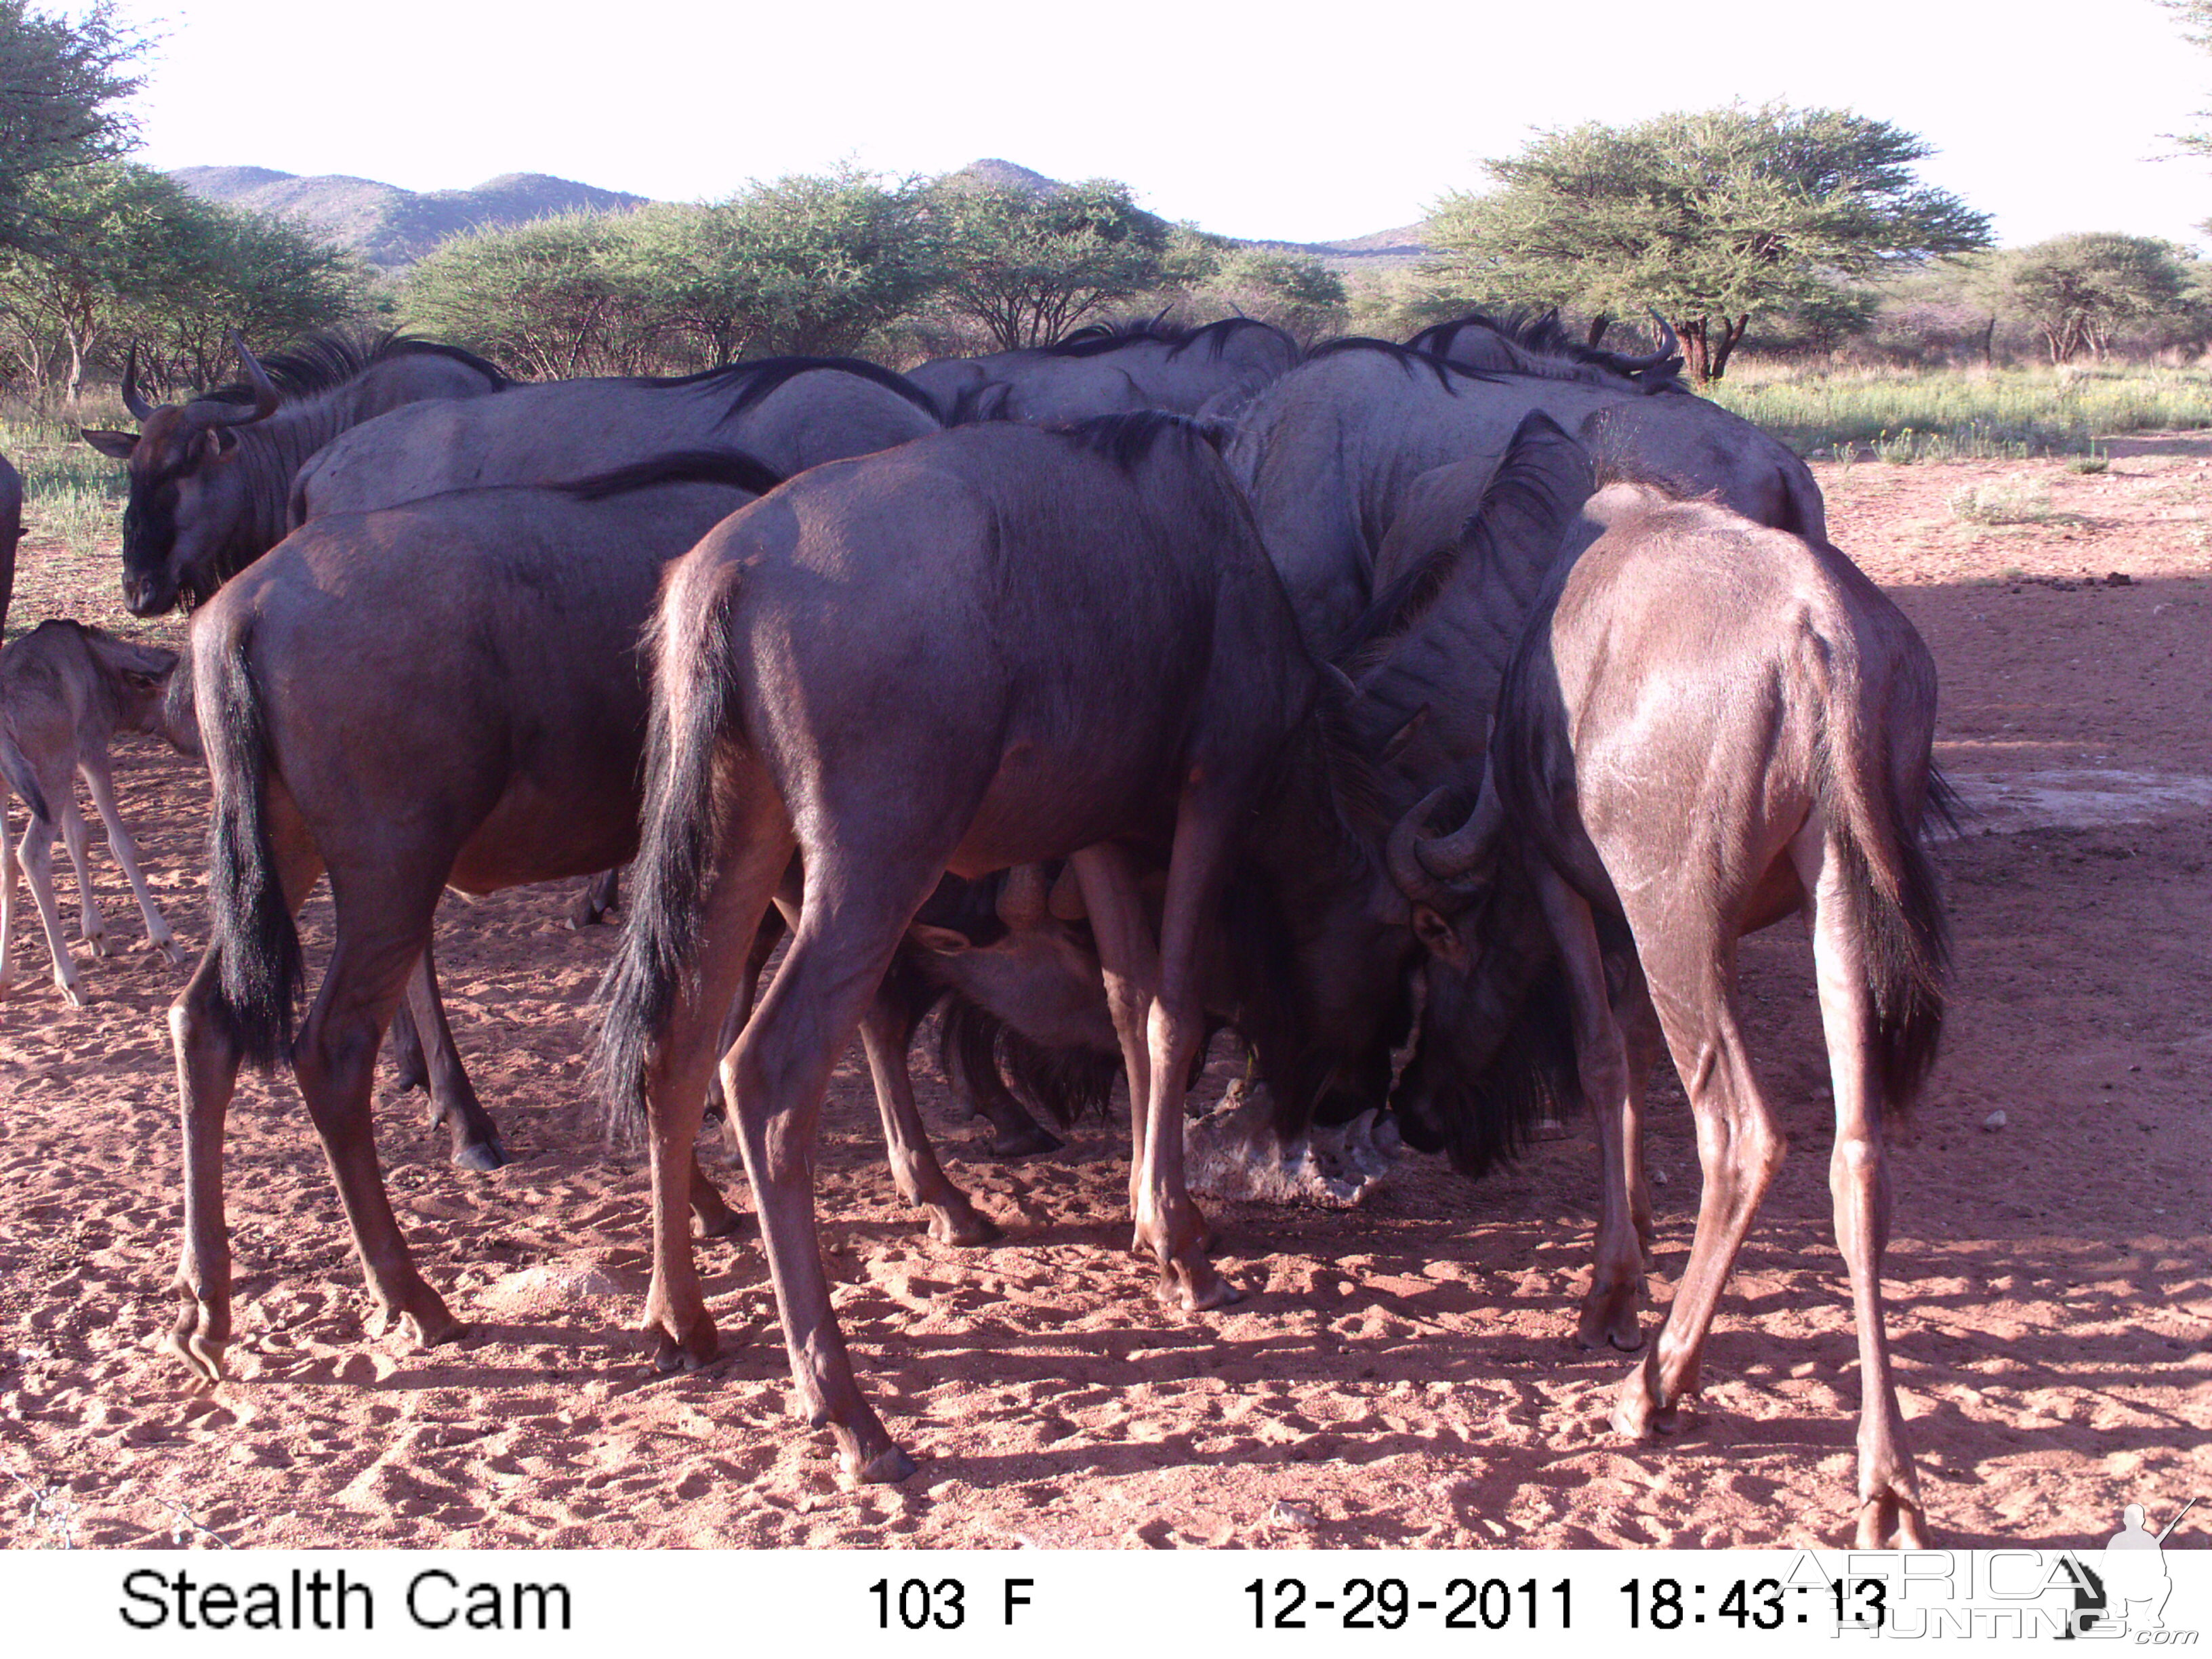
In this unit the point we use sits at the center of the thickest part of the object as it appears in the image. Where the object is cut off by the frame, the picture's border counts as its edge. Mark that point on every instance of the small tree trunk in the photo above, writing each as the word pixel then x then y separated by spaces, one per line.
pixel 1691 331
pixel 1989 342
pixel 1732 332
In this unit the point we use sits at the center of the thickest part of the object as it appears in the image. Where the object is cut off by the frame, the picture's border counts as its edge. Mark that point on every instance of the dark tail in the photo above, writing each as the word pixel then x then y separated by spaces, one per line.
pixel 250 924
pixel 15 767
pixel 694 698
pixel 1880 841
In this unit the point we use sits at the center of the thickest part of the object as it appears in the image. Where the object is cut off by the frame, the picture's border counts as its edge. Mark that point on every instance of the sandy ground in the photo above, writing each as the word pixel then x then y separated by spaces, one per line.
pixel 1402 1375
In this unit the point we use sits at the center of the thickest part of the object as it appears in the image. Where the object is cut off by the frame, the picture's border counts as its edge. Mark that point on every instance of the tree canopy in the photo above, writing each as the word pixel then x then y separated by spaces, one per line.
pixel 63 81
pixel 1711 218
pixel 2079 291
pixel 1028 264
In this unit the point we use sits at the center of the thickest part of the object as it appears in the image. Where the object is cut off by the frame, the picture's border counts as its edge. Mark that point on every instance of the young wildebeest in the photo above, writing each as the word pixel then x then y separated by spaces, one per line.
pixel 1707 726
pixel 1110 369
pixel 66 691
pixel 994 647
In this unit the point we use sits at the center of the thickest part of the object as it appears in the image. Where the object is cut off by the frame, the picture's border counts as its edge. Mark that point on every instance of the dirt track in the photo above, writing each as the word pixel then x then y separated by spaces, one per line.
pixel 1401 1375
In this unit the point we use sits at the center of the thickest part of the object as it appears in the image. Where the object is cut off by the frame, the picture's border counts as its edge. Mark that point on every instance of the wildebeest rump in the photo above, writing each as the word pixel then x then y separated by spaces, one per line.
pixel 1668 772
pixel 66 691
pixel 987 648
pixel 211 479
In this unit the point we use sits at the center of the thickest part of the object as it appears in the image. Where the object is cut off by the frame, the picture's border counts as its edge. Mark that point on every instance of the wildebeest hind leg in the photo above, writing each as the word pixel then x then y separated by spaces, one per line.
pixel 96 779
pixel 1890 1514
pixel 600 895
pixel 36 854
pixel 207 1072
pixel 1691 968
pixel 857 907
pixel 953 1219
pixel 757 848
pixel 379 935
pixel 475 1137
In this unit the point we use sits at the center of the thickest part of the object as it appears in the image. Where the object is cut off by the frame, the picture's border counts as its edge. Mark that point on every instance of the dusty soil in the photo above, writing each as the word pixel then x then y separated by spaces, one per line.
pixel 1403 1374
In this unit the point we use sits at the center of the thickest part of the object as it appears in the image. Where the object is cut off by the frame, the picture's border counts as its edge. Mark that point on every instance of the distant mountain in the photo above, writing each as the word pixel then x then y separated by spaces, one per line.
pixel 390 227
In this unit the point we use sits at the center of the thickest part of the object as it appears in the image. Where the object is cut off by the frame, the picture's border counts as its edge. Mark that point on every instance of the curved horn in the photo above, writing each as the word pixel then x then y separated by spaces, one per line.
pixel 205 412
pixel 133 400
pixel 1434 869
pixel 1024 900
pixel 1669 348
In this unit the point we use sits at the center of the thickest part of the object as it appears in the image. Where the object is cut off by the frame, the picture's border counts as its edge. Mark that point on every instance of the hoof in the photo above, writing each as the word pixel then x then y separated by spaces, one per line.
pixel 77 996
pixel 965 1226
pixel 482 1156
pixel 201 1355
pixel 886 1469
pixel 731 1223
pixel 1610 1321
pixel 1891 1520
pixel 100 945
pixel 434 1331
pixel 1023 1143
pixel 1203 1288
pixel 1637 1412
pixel 170 949
pixel 700 1348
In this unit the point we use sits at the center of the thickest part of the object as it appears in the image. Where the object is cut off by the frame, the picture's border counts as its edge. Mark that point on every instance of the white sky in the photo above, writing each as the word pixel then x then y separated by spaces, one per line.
pixel 1307 123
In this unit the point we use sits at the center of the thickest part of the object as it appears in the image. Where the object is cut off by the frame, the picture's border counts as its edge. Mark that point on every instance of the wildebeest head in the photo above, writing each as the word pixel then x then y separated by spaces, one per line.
pixel 1496 1050
pixel 190 499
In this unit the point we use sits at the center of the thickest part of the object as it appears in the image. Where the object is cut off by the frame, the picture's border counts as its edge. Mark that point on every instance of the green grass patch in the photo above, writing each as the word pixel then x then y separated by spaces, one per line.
pixel 1904 415
pixel 73 500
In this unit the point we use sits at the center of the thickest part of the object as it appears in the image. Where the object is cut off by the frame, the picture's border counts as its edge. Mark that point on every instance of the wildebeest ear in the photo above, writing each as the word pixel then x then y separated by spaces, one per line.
pixel 219 443
pixel 1440 938
pixel 943 940
pixel 116 444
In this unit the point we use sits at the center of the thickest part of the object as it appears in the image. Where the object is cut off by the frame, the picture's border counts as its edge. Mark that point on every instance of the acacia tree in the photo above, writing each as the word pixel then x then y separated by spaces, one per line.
pixel 1711 218
pixel 62 83
pixel 557 298
pixel 1028 264
pixel 2079 291
pixel 2196 27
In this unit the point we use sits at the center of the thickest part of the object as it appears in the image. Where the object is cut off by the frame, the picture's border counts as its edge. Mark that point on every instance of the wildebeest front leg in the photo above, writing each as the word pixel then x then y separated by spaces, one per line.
pixel 335 1059
pixel 453 1103
pixel 953 1218
pixel 97 779
pixel 1890 1514
pixel 1616 1291
pixel 1128 958
pixel 92 922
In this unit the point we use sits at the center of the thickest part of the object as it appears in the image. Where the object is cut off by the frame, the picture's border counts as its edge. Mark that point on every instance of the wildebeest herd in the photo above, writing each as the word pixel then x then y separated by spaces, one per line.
pixel 1435 717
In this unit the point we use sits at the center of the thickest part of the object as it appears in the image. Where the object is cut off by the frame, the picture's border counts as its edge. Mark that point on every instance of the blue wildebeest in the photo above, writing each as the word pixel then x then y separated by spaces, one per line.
pixel 1664 777
pixel 1110 369
pixel 1002 645
pixel 66 691
pixel 1329 451
pixel 211 479
pixel 791 412
pixel 450 692
pixel 1535 343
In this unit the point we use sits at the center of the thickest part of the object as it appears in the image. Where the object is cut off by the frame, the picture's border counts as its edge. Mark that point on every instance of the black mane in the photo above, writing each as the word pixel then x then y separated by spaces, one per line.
pixel 1128 439
pixel 1407 358
pixel 1540 343
pixel 732 467
pixel 754 378
pixel 1095 338
pixel 329 358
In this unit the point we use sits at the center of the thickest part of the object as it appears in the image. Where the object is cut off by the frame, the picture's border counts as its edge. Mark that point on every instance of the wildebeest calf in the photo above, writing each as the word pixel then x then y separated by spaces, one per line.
pixel 66 691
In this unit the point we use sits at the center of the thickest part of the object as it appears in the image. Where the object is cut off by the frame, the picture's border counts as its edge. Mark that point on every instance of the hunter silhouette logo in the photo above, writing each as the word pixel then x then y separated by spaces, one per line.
pixel 2131 1581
